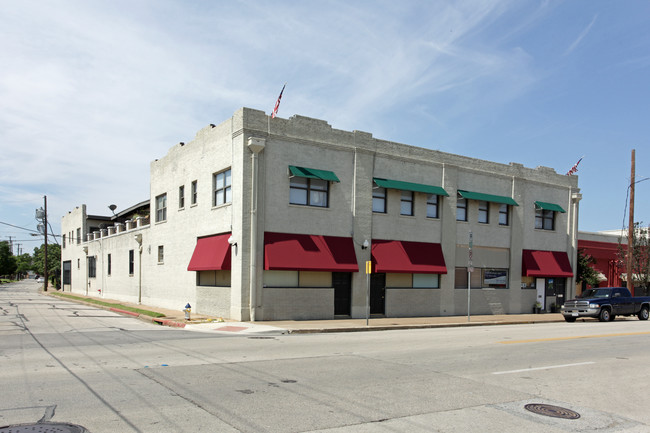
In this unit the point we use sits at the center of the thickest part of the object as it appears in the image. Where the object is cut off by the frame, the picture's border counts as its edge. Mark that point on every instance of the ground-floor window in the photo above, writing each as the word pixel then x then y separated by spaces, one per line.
pixel 480 278
pixel 495 278
pixel 414 281
pixel 213 278
pixel 297 279
pixel 67 272
pixel 92 266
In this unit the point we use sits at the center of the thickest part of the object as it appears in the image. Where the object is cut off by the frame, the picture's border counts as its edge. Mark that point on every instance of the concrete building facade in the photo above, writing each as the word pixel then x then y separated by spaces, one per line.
pixel 272 219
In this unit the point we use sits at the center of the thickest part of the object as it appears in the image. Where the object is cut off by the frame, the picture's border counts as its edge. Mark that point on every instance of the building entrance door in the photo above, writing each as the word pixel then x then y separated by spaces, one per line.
pixel 342 282
pixel 377 293
pixel 540 284
pixel 555 292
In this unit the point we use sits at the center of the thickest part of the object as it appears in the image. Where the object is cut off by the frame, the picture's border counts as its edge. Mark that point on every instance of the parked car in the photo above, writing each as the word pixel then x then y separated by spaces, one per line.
pixel 40 280
pixel 606 303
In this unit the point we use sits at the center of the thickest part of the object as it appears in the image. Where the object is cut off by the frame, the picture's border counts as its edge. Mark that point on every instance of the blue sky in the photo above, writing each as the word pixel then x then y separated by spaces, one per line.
pixel 92 91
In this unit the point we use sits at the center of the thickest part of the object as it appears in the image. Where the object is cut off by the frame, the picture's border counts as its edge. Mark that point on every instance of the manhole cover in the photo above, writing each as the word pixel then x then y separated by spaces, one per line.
pixel 550 410
pixel 44 427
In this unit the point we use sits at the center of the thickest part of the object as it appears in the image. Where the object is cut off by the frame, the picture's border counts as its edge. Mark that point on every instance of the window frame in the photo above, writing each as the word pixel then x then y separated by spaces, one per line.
pixel 483 212
pixel 181 197
pixel 407 198
pixel 195 192
pixel 92 266
pixel 461 205
pixel 161 208
pixel 379 197
pixel 131 262
pixel 161 254
pixel 310 187
pixel 504 214
pixel 222 195
pixel 433 202
pixel 494 270
pixel 542 216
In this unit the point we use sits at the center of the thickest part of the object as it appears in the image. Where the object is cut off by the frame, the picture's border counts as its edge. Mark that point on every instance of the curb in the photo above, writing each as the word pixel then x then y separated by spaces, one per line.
pixel 422 326
pixel 167 322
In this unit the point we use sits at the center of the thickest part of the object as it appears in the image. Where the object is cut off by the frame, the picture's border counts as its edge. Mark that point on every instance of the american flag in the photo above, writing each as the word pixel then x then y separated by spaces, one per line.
pixel 277 104
pixel 574 168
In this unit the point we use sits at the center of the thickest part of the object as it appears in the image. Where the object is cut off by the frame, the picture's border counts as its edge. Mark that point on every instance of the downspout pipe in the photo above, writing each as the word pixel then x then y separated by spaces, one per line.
pixel 255 145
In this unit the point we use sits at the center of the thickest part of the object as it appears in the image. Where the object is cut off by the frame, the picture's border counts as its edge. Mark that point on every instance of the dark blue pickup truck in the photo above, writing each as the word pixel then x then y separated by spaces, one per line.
pixel 606 303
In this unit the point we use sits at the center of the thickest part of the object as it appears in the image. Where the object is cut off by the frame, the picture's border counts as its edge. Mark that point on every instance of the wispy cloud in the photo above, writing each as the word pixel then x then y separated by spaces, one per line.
pixel 581 36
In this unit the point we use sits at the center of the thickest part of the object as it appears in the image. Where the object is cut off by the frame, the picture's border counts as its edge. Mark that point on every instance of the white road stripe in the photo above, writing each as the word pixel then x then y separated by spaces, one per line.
pixel 543 368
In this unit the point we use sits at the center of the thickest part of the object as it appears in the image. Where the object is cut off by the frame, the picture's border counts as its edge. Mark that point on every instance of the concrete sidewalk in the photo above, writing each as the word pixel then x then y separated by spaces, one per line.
pixel 203 323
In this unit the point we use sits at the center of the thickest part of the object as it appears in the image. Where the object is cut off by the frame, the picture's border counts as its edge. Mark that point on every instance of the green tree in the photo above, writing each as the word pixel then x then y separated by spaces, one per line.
pixel 586 272
pixel 24 263
pixel 7 259
pixel 53 260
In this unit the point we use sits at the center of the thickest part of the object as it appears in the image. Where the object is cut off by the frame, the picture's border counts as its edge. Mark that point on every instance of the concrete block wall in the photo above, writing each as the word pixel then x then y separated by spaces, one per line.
pixel 356 157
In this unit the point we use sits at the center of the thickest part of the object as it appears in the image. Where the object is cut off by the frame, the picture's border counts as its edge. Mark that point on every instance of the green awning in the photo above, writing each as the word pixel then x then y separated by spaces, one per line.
pixel 408 186
pixel 549 206
pixel 487 197
pixel 313 173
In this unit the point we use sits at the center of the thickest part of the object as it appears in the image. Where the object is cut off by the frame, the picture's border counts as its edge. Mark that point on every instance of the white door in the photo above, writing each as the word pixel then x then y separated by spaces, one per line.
pixel 541 291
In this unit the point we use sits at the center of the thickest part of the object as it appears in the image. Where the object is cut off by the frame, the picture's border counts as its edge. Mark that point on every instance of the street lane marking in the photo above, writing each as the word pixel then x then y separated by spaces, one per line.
pixel 543 368
pixel 537 340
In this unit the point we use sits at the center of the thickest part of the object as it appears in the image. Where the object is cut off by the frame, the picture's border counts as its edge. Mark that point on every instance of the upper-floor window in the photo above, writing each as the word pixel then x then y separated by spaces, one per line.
pixel 161 253
pixel 181 196
pixel 195 189
pixel 461 209
pixel 78 235
pixel 504 215
pixel 544 219
pixel 406 203
pixel 432 205
pixel 222 186
pixel 379 200
pixel 483 212
pixel 161 207
pixel 308 191
pixel 108 265
pixel 63 241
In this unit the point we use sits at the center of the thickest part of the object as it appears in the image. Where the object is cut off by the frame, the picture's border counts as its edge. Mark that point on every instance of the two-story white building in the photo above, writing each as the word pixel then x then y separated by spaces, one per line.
pixel 271 219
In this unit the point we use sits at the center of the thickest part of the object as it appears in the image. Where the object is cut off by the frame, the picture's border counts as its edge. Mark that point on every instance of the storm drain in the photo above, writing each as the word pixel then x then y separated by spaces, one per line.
pixel 553 411
pixel 45 427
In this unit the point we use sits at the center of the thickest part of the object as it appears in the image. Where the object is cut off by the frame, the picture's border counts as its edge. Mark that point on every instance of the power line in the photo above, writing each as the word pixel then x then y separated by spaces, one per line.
pixel 18 227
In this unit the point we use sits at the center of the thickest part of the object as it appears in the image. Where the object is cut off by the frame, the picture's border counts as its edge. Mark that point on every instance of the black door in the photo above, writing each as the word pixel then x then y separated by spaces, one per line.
pixel 342 282
pixel 377 293
pixel 560 291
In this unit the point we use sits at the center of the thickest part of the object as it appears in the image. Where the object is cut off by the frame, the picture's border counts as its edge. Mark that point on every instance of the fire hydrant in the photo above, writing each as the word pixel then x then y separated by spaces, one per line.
pixel 188 309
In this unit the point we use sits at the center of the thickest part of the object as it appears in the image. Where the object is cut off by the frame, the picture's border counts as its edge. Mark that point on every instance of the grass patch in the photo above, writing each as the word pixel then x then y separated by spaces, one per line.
pixel 109 304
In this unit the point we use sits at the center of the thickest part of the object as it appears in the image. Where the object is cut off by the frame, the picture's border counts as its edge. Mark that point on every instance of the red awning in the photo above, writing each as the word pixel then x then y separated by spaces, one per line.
pixel 297 252
pixel 537 263
pixel 212 253
pixel 408 257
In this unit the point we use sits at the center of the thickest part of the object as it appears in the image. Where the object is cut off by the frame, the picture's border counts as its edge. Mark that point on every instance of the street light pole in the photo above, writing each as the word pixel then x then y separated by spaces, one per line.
pixel 630 231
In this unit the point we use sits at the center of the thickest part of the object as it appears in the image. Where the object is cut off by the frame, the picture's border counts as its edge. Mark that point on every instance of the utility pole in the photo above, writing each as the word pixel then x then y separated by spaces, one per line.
pixel 11 244
pixel 630 233
pixel 45 221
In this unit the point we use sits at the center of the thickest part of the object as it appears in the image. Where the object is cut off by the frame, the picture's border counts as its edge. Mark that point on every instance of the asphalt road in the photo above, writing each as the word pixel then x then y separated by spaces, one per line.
pixel 69 363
